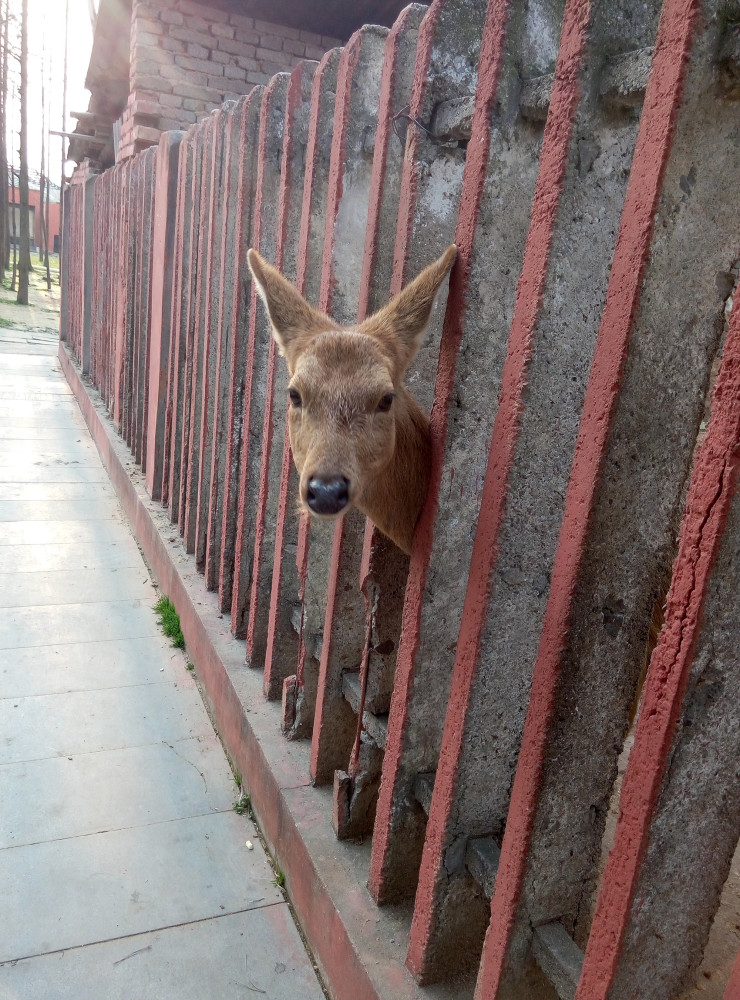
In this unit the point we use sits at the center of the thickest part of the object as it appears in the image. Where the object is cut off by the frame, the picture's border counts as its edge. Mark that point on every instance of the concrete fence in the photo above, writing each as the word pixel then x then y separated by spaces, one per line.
pixel 573 586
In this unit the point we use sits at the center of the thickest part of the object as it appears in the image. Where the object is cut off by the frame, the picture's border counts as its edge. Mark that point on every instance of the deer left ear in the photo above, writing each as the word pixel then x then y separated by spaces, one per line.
pixel 400 325
pixel 292 319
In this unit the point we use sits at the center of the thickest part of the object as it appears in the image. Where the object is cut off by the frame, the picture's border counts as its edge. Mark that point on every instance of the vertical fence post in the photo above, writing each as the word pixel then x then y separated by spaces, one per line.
pixel 163 256
pixel 88 251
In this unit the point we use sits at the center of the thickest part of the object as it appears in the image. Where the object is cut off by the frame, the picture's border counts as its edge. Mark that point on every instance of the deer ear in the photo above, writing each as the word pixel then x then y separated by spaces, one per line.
pixel 400 325
pixel 292 319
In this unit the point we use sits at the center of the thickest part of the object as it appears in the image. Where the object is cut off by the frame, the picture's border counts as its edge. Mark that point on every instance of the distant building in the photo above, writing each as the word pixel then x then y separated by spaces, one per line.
pixel 162 64
pixel 34 213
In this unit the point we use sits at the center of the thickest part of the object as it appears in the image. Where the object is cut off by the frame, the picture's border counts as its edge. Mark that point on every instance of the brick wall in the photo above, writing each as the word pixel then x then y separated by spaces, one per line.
pixel 187 58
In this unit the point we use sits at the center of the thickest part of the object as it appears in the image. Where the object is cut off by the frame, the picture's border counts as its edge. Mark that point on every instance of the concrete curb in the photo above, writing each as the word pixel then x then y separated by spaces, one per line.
pixel 360 949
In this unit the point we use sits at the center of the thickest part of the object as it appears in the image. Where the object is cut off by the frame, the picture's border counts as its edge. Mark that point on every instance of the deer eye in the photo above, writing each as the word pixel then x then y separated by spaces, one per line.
pixel 295 398
pixel 386 402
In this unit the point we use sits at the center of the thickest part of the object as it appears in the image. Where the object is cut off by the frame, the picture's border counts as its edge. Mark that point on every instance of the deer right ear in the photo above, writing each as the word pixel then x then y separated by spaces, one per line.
pixel 292 319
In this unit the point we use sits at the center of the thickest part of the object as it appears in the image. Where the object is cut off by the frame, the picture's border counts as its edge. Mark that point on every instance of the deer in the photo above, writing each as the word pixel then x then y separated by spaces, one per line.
pixel 358 436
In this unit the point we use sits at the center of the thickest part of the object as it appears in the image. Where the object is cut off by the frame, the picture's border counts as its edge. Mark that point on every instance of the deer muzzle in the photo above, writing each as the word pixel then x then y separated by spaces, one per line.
pixel 327 496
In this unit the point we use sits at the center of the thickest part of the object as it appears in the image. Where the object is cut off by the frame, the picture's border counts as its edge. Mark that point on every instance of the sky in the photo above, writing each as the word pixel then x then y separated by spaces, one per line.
pixel 46 34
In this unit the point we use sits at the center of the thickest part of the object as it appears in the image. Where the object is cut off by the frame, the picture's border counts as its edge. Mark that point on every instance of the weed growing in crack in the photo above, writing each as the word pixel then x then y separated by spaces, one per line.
pixel 241 805
pixel 170 621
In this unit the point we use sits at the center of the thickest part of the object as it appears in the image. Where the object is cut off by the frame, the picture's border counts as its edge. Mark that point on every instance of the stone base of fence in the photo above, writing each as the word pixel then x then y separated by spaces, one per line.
pixel 359 948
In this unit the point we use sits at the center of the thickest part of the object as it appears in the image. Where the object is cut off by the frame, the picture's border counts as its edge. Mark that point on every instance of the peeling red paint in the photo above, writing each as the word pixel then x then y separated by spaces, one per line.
pixel 309 179
pixel 233 431
pixel 238 594
pixel 712 487
pixel 733 987
pixel 553 161
pixel 633 245
pixel 474 177
pixel 292 103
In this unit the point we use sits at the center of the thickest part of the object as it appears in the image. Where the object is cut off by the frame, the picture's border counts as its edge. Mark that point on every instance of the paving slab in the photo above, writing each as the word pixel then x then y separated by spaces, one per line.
pixel 76 586
pixel 62 725
pixel 93 792
pixel 124 882
pixel 70 555
pixel 242 962
pixel 125 870
pixel 96 509
pixel 90 666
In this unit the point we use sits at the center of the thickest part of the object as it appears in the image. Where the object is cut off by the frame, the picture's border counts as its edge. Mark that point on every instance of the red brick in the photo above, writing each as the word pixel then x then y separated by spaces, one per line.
pixel 235 72
pixel 197 50
pixel 222 30
pixel 308 36
pixel 295 48
pixel 198 65
pixel 171 17
pixel 144 38
pixel 246 63
pixel 187 35
pixel 173 45
pixel 162 85
pixel 239 21
pixel 203 10
pixel 268 26
pixel 187 88
pixel 272 42
pixel 236 48
pixel 315 51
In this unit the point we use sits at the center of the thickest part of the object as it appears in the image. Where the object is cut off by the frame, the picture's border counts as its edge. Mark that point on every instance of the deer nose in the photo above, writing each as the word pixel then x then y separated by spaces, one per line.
pixel 327 496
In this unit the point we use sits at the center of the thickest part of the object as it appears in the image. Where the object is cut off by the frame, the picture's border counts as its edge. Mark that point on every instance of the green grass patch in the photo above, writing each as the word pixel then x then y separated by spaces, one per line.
pixel 170 621
pixel 6 324
pixel 241 805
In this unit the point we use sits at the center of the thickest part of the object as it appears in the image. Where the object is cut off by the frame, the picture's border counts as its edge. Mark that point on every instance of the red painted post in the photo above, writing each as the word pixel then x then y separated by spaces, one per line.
pixel 145 306
pixel 416 244
pixel 280 651
pixel 188 322
pixel 358 82
pixel 656 131
pixel 175 360
pixel 268 181
pixel 199 382
pixel 160 327
pixel 733 987
pixel 553 161
pixel 223 299
pixel 238 306
pixel 216 209
pixel 712 487
pixel 333 722
pixel 295 135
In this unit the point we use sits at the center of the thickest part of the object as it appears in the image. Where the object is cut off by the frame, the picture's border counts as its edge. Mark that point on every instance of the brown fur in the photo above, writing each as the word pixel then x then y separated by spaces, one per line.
pixel 344 375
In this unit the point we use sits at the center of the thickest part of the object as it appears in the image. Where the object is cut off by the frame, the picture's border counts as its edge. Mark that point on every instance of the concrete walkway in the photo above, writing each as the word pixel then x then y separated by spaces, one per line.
pixel 125 872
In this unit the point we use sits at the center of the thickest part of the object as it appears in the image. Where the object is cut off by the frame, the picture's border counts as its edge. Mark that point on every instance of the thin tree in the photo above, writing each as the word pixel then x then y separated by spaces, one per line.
pixel 13 216
pixel 4 206
pixel 25 244
pixel 64 140
pixel 43 208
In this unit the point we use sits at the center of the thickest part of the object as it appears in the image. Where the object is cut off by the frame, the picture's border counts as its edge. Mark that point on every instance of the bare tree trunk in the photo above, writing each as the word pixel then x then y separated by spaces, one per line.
pixel 15 244
pixel 64 141
pixel 25 246
pixel 4 205
pixel 43 208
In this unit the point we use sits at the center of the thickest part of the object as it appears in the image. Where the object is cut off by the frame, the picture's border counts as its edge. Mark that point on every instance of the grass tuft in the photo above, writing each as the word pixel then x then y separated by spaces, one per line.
pixel 170 621
pixel 241 805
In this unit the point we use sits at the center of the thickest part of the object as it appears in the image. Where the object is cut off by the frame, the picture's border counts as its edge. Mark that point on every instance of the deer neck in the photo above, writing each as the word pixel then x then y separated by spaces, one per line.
pixel 393 501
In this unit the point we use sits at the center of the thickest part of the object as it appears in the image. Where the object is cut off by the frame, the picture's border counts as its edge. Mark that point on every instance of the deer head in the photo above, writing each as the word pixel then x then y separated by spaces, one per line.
pixel 358 436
